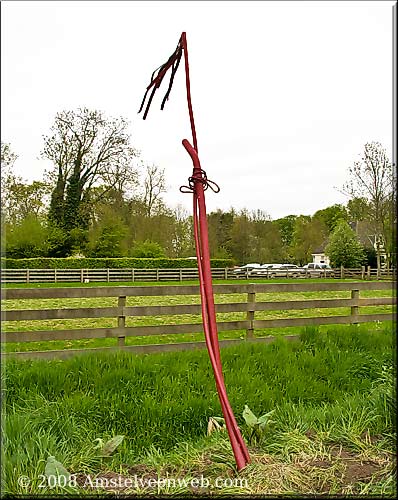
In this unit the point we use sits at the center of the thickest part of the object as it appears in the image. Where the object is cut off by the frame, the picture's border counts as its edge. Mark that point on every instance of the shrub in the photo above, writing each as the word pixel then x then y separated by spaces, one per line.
pixel 147 249
pixel 27 238
pixel 104 263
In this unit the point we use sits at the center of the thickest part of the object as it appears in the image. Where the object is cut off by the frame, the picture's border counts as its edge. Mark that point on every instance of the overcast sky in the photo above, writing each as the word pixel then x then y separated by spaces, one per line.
pixel 285 94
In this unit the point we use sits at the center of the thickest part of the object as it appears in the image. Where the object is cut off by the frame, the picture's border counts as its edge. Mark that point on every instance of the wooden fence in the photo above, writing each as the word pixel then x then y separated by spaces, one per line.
pixel 104 275
pixel 158 275
pixel 121 311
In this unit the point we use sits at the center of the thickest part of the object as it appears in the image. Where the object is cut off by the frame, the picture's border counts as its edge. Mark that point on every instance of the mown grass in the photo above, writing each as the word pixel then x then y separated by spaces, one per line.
pixel 332 385
pixel 169 320
pixel 167 283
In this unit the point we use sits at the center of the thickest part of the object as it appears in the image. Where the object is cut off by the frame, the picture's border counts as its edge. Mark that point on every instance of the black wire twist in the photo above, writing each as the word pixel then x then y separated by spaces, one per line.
pixel 199 176
pixel 172 62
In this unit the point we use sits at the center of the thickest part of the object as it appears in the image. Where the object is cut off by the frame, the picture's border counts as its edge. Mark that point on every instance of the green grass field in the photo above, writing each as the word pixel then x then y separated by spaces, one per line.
pixel 333 429
pixel 175 319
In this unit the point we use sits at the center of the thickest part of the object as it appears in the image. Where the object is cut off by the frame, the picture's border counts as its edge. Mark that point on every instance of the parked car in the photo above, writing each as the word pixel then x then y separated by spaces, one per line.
pixel 286 271
pixel 318 270
pixel 278 270
pixel 263 269
pixel 245 270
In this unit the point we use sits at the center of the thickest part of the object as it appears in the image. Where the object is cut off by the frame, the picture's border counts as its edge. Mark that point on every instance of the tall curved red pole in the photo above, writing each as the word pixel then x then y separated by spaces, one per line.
pixel 198 183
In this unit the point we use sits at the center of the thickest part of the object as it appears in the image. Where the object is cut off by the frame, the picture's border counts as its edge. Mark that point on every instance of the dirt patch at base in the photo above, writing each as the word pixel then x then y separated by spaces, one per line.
pixel 336 471
pixel 143 471
pixel 345 468
pixel 354 469
pixel 360 471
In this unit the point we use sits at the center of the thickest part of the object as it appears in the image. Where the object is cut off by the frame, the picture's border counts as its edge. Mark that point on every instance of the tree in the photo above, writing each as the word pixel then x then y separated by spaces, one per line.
pixel 8 157
pixel 330 216
pixel 182 244
pixel 19 198
pixel 358 209
pixel 371 179
pixel 220 233
pixel 370 256
pixel 286 228
pixel 344 248
pixel 154 186
pixel 267 246
pixel 308 234
pixel 24 199
pixel 107 238
pixel 87 150
pixel 242 237
pixel 8 177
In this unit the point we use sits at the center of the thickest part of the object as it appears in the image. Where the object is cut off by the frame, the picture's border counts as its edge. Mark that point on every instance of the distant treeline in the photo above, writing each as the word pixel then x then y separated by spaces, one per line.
pixel 100 200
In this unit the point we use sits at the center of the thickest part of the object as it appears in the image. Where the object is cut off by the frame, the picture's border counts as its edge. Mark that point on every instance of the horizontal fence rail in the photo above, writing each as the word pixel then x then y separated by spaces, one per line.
pixel 121 311
pixel 103 275
pixel 182 274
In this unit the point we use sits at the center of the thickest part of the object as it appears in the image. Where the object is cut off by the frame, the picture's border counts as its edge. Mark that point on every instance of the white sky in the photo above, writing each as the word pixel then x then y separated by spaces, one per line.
pixel 285 94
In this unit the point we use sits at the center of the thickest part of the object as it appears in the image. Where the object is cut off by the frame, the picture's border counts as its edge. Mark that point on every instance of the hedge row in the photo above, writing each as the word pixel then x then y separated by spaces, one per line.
pixel 111 263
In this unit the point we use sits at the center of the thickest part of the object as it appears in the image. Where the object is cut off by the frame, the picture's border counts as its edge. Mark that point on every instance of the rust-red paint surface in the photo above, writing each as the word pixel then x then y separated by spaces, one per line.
pixel 198 183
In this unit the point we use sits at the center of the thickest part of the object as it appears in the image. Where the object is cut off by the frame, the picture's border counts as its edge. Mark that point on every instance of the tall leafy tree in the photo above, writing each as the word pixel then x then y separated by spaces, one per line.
pixel 344 248
pixel 309 233
pixel 242 238
pixel 220 226
pixel 330 216
pixel 267 246
pixel 358 209
pixel 286 228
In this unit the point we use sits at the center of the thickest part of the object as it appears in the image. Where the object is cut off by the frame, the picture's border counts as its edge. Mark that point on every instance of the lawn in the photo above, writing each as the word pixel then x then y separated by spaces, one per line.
pixel 164 320
pixel 332 432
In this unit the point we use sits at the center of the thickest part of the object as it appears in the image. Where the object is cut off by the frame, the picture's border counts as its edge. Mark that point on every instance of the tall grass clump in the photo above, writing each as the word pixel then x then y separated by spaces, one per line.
pixel 339 382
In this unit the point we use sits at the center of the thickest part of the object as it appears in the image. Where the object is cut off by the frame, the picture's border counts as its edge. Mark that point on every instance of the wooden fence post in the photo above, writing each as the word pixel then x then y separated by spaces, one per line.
pixel 157 274
pixel 27 276
pixel 354 309
pixel 55 275
pixel 363 272
pixel 107 275
pixel 251 307
pixel 368 272
pixel 121 320
pixel 341 272
pixel 226 273
pixel 132 275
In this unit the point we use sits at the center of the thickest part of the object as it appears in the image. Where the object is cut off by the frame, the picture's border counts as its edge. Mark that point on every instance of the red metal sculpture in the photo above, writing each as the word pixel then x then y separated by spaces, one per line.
pixel 198 183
